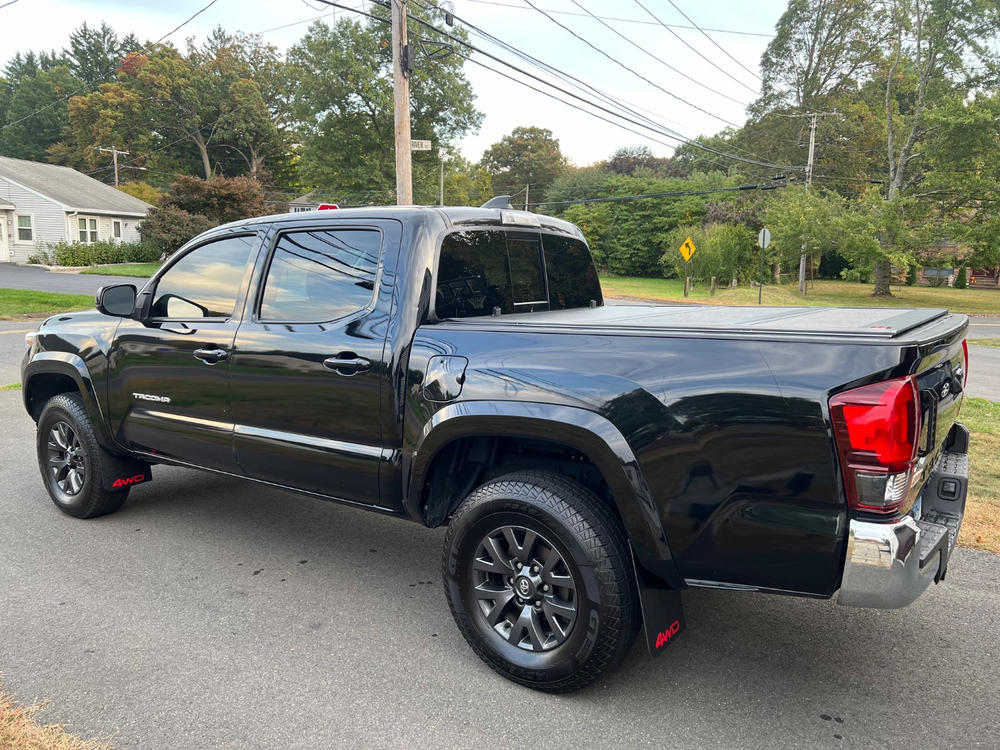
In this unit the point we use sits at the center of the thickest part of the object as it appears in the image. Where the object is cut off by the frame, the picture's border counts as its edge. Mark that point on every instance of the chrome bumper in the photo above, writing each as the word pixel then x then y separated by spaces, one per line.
pixel 889 565
pixel 883 565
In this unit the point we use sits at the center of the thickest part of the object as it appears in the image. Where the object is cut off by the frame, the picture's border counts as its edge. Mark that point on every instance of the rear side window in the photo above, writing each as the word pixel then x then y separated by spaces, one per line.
pixel 480 270
pixel 321 275
pixel 205 282
pixel 572 277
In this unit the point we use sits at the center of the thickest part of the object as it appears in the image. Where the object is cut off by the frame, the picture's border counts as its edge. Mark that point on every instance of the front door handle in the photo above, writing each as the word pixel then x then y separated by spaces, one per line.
pixel 347 363
pixel 211 356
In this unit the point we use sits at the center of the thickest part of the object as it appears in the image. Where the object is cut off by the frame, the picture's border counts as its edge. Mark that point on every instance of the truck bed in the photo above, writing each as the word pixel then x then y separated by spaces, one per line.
pixel 910 325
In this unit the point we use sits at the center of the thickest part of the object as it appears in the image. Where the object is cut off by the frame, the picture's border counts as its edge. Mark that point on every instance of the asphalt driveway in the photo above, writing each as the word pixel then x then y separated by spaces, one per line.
pixel 28 277
pixel 215 613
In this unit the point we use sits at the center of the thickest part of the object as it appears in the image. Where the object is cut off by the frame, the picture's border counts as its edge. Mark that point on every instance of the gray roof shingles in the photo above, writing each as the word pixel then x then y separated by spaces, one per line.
pixel 71 188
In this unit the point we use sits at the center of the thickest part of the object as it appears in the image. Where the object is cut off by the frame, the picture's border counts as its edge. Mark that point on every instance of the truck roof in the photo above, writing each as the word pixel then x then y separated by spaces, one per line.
pixel 454 215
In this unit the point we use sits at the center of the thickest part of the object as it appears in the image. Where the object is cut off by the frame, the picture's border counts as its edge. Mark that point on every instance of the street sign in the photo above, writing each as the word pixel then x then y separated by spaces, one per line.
pixel 764 238
pixel 419 145
pixel 687 249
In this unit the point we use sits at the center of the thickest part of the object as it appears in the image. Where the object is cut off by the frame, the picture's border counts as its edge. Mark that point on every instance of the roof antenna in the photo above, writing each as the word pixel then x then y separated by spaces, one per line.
pixel 500 201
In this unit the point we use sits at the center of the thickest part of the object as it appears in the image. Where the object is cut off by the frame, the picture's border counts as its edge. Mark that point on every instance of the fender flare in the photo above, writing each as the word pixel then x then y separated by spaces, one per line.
pixel 73 366
pixel 585 431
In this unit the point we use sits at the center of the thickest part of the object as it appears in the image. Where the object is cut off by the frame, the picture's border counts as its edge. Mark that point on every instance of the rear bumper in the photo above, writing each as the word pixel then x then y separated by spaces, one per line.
pixel 889 565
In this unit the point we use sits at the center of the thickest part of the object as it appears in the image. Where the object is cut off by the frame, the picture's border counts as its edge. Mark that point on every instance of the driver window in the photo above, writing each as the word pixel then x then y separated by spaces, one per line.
pixel 205 282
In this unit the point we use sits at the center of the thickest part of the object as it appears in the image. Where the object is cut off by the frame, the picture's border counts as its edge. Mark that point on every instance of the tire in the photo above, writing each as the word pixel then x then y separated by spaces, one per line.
pixel 576 566
pixel 71 460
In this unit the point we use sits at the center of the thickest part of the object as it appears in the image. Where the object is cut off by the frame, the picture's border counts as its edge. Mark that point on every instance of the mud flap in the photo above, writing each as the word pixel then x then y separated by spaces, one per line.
pixel 122 471
pixel 662 609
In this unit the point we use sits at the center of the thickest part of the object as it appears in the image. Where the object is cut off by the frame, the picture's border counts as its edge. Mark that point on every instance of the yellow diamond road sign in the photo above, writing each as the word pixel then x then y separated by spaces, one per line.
pixel 687 249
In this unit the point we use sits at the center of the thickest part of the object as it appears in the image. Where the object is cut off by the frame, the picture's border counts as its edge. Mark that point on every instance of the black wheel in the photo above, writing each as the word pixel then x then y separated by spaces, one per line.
pixel 71 460
pixel 539 578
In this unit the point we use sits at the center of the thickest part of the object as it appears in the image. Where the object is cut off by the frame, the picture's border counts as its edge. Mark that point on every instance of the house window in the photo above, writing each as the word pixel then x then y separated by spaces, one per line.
pixel 88 230
pixel 25 229
pixel 116 229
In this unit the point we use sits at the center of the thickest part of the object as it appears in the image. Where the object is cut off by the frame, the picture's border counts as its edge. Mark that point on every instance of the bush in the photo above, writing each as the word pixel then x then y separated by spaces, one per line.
pixel 961 281
pixel 864 275
pixel 726 251
pixel 169 227
pixel 97 253
pixel 911 275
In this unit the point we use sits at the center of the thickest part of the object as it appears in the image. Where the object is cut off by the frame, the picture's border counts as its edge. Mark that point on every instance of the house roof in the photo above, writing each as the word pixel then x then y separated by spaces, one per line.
pixel 74 190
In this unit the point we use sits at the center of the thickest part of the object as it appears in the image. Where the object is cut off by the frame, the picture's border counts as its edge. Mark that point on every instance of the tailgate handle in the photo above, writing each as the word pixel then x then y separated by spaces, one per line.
pixel 929 402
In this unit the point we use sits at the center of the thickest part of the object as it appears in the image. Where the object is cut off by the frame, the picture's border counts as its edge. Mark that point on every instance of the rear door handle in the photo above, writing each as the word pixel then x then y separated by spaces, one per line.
pixel 347 363
pixel 211 356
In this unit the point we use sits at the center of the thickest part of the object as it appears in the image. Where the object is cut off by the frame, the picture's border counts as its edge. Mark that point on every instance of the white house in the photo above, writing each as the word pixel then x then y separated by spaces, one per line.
pixel 41 204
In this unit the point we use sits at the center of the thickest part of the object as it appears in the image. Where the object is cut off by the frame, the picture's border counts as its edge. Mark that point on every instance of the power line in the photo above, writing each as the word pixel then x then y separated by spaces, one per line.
pixel 87 86
pixel 724 51
pixel 693 49
pixel 11 2
pixel 659 129
pixel 631 70
pixel 658 59
pixel 666 194
pixel 624 20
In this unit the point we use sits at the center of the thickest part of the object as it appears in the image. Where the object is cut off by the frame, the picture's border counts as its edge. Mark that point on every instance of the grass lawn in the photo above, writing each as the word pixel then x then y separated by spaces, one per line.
pixel 985 342
pixel 821 293
pixel 124 269
pixel 16 303
pixel 10 387
pixel 18 729
pixel 981 527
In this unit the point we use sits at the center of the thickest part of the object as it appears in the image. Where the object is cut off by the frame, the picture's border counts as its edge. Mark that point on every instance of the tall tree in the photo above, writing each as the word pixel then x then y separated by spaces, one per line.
pixel 37 113
pixel 93 54
pixel 821 48
pixel 937 46
pixel 342 96
pixel 528 156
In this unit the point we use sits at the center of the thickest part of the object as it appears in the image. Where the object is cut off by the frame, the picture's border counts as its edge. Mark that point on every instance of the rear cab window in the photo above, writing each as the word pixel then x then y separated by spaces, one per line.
pixel 480 271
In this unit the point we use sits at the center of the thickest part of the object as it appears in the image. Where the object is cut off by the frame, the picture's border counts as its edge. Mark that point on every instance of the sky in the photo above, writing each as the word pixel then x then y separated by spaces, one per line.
pixel 669 97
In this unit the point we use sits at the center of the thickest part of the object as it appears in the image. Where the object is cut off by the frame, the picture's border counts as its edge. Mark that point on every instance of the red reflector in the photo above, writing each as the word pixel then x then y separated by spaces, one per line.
pixel 877 428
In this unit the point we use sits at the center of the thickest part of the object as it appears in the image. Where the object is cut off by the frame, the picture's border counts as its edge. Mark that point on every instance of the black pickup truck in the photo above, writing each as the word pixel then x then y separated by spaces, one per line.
pixel 460 366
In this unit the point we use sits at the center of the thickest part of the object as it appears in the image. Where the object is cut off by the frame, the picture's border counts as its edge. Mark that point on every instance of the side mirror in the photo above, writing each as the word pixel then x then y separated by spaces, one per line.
pixel 117 300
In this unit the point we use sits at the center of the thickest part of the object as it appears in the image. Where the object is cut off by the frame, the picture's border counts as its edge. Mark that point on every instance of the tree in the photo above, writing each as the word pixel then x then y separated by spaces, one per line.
pixel 465 184
pixel 528 156
pixel 342 99
pixel 221 199
pixel 628 160
pixel 821 48
pixel 167 228
pixel 93 55
pixel 143 191
pixel 936 49
pixel 33 123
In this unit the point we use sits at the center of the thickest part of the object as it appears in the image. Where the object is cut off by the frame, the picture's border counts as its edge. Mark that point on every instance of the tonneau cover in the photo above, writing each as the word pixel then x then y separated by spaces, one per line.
pixel 849 322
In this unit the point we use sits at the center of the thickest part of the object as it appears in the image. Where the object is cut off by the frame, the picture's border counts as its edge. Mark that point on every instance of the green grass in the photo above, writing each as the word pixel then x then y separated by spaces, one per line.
pixel 10 387
pixel 125 269
pixel 821 293
pixel 985 342
pixel 16 303
pixel 981 527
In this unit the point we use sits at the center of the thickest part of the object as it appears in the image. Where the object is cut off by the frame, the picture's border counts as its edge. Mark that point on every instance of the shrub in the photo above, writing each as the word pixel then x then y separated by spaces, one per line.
pixel 911 275
pixel 725 251
pixel 169 227
pixel 961 281
pixel 97 253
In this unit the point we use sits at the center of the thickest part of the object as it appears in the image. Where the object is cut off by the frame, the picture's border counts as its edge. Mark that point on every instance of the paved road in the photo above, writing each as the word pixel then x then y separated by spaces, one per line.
pixel 984 372
pixel 25 277
pixel 213 613
pixel 12 348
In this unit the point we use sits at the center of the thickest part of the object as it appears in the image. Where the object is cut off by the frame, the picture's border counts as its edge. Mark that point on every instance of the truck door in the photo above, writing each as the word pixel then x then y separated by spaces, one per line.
pixel 308 369
pixel 168 382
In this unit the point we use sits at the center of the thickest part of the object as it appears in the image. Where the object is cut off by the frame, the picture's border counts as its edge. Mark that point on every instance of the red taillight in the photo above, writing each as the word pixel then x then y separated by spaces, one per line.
pixel 965 370
pixel 877 429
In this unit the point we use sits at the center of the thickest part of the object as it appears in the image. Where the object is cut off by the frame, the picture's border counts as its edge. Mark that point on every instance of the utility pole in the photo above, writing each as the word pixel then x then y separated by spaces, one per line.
pixel 813 119
pixel 402 59
pixel 441 183
pixel 114 158
pixel 526 196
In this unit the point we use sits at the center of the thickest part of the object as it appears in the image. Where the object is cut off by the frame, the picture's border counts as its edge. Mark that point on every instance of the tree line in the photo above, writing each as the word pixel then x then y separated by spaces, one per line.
pixel 907 167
